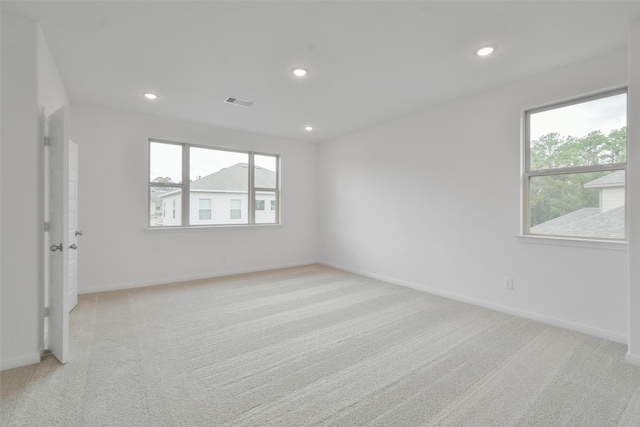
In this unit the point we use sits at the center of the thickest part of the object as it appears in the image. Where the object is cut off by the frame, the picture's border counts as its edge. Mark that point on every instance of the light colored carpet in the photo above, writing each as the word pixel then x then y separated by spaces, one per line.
pixel 316 346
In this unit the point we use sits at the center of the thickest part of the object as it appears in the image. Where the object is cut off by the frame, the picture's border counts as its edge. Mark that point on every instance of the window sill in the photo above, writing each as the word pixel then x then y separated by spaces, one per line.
pixel 614 245
pixel 199 229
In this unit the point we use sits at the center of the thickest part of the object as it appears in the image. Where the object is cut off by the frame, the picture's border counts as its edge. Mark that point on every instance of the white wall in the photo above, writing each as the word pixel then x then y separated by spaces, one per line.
pixel 433 201
pixel 29 81
pixel 118 253
pixel 21 248
pixel 51 92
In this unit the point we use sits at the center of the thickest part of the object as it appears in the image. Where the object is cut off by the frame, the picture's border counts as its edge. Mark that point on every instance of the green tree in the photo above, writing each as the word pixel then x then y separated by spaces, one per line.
pixel 552 196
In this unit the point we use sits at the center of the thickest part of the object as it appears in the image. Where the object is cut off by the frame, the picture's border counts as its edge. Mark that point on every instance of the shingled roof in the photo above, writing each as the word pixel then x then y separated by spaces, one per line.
pixel 615 179
pixel 586 222
pixel 235 178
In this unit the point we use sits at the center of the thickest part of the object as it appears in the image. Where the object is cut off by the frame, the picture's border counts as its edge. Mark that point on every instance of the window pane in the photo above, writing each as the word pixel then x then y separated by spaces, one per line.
pixel 582 134
pixel 579 205
pixel 265 171
pixel 266 216
pixel 165 163
pixel 204 210
pixel 165 206
pixel 235 209
pixel 218 176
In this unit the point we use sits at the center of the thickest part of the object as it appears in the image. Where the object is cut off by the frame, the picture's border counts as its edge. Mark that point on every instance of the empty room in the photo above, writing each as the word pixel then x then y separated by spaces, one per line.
pixel 301 213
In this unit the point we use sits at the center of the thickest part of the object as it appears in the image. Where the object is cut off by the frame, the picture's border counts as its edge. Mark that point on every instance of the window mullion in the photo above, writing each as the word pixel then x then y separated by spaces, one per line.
pixel 251 191
pixel 185 186
pixel 278 219
pixel 578 169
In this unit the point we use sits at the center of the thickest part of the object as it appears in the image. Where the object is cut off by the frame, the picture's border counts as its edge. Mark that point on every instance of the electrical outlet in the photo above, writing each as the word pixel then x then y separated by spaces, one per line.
pixel 508 282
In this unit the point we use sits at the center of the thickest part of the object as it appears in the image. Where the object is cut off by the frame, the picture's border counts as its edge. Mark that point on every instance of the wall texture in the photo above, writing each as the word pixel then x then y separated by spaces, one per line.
pixel 117 252
pixel 433 201
pixel 21 273
pixel 21 214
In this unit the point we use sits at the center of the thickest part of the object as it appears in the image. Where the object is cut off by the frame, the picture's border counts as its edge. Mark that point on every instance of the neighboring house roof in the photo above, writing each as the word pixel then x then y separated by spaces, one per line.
pixel 587 222
pixel 615 179
pixel 155 196
pixel 233 178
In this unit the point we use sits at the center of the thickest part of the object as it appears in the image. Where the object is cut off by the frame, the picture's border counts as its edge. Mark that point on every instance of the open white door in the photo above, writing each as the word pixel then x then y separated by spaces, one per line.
pixel 59 234
pixel 73 226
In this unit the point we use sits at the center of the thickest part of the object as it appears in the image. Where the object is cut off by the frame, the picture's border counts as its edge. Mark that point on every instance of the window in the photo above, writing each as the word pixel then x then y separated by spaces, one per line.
pixel 235 209
pixel 211 186
pixel 575 168
pixel 266 186
pixel 273 205
pixel 204 212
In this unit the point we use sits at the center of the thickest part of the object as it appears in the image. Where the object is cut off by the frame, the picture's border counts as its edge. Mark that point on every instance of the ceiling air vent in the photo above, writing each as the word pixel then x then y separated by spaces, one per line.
pixel 238 101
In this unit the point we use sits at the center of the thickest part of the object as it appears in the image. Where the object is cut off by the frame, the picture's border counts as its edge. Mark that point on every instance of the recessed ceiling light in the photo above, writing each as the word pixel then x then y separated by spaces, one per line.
pixel 485 50
pixel 299 72
pixel 150 95
pixel 308 128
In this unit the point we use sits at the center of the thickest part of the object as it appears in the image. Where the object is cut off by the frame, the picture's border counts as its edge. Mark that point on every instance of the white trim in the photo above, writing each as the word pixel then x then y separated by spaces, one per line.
pixel 614 245
pixel 19 361
pixel 632 358
pixel 142 284
pixel 200 228
pixel 497 307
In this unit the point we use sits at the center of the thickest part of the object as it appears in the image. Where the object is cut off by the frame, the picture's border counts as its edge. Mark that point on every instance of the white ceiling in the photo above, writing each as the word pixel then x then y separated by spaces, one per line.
pixel 368 61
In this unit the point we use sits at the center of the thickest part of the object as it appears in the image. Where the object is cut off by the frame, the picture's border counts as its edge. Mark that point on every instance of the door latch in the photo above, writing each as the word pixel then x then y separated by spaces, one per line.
pixel 54 248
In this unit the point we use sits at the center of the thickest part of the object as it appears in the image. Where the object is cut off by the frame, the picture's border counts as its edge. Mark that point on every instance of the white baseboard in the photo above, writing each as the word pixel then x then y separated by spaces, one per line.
pixel 632 358
pixel 19 361
pixel 178 279
pixel 492 306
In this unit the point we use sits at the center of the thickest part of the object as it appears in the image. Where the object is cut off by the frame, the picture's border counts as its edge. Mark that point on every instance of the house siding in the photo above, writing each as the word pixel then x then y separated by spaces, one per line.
pixel 612 198
pixel 220 208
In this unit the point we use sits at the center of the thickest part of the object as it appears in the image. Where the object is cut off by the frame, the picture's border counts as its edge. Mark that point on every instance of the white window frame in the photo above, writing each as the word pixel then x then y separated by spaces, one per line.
pixel 185 190
pixel 528 174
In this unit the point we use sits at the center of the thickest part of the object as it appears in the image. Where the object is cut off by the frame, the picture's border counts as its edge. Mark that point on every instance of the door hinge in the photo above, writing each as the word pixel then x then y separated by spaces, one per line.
pixel 47 312
pixel 47 226
pixel 47 141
